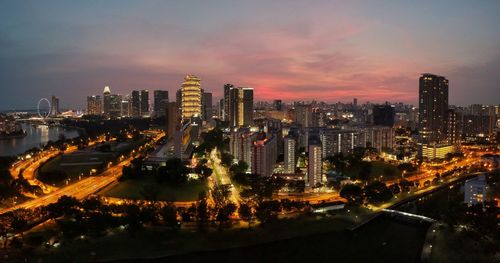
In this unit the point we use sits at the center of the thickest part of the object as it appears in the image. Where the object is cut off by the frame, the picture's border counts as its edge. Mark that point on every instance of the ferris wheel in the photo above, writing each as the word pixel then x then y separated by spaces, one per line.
pixel 41 111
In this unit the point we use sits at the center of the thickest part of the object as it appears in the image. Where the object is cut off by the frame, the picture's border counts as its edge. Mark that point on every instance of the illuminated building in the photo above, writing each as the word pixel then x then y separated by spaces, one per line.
pixel 264 156
pixel 475 190
pixel 240 145
pixel 452 127
pixel 94 105
pixel 437 151
pixel 240 107
pixel 160 102
pixel 433 106
pixel 191 97
pixel 290 161
pixel 106 100
pixel 126 107
pixel 226 101
pixel 315 165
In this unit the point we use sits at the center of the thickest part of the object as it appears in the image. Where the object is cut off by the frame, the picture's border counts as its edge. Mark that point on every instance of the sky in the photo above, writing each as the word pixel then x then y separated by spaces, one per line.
pixel 291 50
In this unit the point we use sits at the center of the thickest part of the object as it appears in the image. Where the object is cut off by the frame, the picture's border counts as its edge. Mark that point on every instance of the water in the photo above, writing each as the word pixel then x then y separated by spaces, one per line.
pixel 36 135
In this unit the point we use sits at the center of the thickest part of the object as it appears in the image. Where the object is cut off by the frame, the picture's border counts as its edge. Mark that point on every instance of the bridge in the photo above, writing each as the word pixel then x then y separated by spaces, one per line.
pixel 409 215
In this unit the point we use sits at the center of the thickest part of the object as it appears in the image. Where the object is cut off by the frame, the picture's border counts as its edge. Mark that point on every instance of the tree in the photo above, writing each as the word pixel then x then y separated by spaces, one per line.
pixel 240 167
pixel 225 212
pixel 365 171
pixel 245 212
pixel 169 215
pixel 174 171
pixel 202 213
pixel 405 185
pixel 267 211
pixel 226 159
pixel 353 193
pixel 19 225
pixel 377 192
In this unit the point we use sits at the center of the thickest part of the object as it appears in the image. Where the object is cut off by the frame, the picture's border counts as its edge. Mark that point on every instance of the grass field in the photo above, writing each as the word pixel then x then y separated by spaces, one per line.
pixel 306 239
pixel 378 169
pixel 131 189
pixel 71 171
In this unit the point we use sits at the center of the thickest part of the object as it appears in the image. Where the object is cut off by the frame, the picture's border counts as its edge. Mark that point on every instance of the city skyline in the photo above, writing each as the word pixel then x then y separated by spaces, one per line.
pixel 372 51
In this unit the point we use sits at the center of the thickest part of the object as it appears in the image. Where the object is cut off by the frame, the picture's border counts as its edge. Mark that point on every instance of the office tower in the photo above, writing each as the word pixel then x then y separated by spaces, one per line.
pixel 433 106
pixel 106 100
pixel 384 115
pixel 115 106
pixel 220 109
pixel 303 115
pixel 240 107
pixel 355 102
pixel 264 156
pixel 172 119
pixel 160 100
pixel 452 126
pixel 290 146
pixel 126 107
pixel 94 105
pixel 54 106
pixel 191 94
pixel 278 105
pixel 315 165
pixel 225 113
pixel 136 104
pixel 207 106
pixel 144 103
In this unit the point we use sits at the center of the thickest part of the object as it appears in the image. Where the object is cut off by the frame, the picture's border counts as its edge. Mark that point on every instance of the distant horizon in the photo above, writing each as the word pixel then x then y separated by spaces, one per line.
pixel 324 50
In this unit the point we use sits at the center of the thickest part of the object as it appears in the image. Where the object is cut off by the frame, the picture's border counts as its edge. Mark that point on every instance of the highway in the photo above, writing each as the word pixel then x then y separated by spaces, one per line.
pixel 222 176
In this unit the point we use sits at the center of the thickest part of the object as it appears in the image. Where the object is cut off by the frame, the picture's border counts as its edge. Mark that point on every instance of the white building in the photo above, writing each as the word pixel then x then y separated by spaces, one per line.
pixel 315 168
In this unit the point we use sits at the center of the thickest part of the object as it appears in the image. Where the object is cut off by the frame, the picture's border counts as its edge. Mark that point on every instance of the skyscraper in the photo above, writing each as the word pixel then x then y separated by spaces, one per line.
pixel 226 99
pixel 160 100
pixel 191 94
pixel 106 100
pixel 54 106
pixel 315 168
pixel 114 106
pixel 126 106
pixel 240 107
pixel 136 104
pixel 94 105
pixel 144 103
pixel 289 155
pixel 207 106
pixel 433 107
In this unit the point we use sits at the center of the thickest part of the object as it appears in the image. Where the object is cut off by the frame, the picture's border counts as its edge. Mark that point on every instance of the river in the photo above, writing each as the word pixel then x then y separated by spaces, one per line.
pixel 37 135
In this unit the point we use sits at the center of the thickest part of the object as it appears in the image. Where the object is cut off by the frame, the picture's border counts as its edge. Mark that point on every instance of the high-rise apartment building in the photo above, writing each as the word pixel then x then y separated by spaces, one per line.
pixel 315 165
pixel 433 107
pixel 303 115
pixel 290 160
pixel 264 156
pixel 241 144
pixel 191 97
pixel 160 102
pixel 94 105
